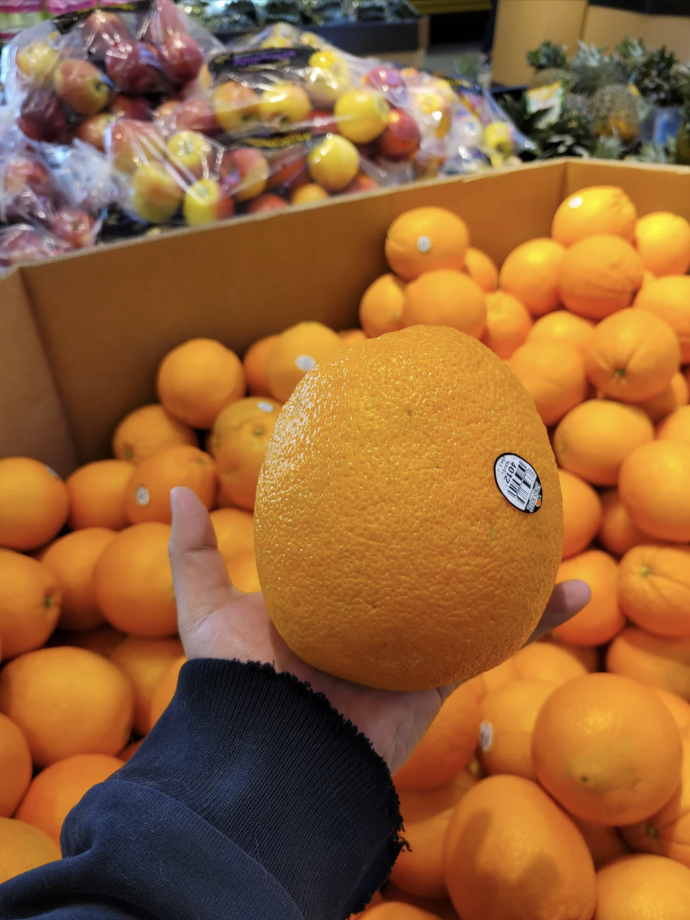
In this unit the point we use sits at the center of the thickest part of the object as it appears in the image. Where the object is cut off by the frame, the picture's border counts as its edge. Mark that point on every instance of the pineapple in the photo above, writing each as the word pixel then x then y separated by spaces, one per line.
pixel 592 69
pixel 575 102
pixel 547 57
pixel 551 75
pixel 615 113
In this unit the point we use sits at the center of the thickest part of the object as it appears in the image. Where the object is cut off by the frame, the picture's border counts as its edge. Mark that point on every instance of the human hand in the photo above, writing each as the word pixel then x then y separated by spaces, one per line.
pixel 217 621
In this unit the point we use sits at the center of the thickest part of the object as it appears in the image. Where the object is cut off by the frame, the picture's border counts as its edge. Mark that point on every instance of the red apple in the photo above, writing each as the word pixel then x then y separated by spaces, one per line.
pixel 181 58
pixel 92 130
pixel 132 67
pixel 125 106
pixel 322 122
pixel 81 86
pixel 361 183
pixel 103 30
pixel 267 202
pixel 288 168
pixel 195 115
pixel 133 143
pixel 166 20
pixel 401 139
pixel 387 80
pixel 251 166
pixel 42 117
pixel 25 173
pixel 74 226
pixel 21 243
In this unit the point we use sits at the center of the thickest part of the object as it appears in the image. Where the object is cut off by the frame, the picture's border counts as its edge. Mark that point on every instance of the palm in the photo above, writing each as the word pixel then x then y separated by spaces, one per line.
pixel 216 621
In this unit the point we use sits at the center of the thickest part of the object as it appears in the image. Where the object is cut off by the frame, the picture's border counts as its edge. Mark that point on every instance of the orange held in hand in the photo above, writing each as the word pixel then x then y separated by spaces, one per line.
pixel 593 211
pixel 376 429
pixel 607 749
pixel 511 852
pixel 601 618
pixel 654 589
pixel 530 273
pixel 97 494
pixel 381 306
pixel 581 513
pixel 669 299
pixel 149 431
pixel 632 356
pixel 425 240
pixel 599 275
pixel 653 486
pixel 553 376
pixel 33 503
pixel 198 379
pixel 72 559
pixel 29 603
pixel 148 493
pixel 445 298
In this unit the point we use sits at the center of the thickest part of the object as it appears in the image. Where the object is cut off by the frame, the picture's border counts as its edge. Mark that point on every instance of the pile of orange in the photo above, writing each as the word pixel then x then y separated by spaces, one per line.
pixel 556 785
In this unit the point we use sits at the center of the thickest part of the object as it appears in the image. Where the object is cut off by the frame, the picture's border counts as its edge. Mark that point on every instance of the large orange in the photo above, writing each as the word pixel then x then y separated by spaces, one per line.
pixel 654 660
pixel 240 435
pixel 601 618
pixel 148 431
pixel 391 452
pixel 617 533
pixel 145 662
pixel 381 306
pixel 511 852
pixel 676 427
pixel 507 323
pixel 547 661
pixel 669 299
pixel 254 363
pixel 632 356
pixel 134 586
pixel 23 847
pixel 562 326
pixel 508 719
pixel 553 376
pixel 643 887
pixel 445 298
pixel 234 531
pixel 482 269
pixel 604 842
pixel 419 870
pixel 674 396
pixel 165 690
pixel 97 494
pixel 424 240
pixel 663 242
pixel 607 749
pixel 33 503
pixel 654 588
pixel 592 211
pixel 296 351
pixel 198 379
pixel 599 275
pixel 448 746
pixel 58 788
pixel 595 437
pixel 15 766
pixel 653 486
pixel 72 559
pixel 29 603
pixel 67 701
pixel 148 493
pixel 530 273
pixel 581 513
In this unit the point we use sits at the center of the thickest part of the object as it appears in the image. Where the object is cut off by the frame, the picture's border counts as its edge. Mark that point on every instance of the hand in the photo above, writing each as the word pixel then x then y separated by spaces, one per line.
pixel 217 621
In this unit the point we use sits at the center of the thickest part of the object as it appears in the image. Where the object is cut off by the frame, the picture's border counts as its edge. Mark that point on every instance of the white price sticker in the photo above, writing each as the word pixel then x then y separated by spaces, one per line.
pixel 518 482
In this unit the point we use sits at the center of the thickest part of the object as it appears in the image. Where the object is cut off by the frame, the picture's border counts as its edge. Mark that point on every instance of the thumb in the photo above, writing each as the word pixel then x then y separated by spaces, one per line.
pixel 199 573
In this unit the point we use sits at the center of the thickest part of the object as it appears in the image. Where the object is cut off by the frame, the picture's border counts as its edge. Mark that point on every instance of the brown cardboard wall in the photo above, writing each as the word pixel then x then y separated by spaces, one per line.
pixel 32 421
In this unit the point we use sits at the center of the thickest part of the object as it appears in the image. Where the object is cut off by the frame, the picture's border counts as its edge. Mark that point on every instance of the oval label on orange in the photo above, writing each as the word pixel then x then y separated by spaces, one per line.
pixel 518 482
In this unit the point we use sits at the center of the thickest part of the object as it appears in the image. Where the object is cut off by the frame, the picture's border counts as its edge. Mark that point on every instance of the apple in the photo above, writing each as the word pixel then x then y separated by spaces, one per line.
pixel 333 163
pixel 284 103
pixel 306 194
pixel 288 168
pixel 37 61
pixel 125 106
pixel 74 226
pixel 92 130
pixel 401 139
pixel 327 78
pixel 267 202
pixel 103 30
pixel 251 167
pixel 131 65
pixel 21 243
pixel 42 117
pixel 156 193
pixel 387 80
pixel 235 105
pixel 22 173
pixel 361 183
pixel 81 86
pixel 181 58
pixel 362 115
pixel 131 144
pixel 191 153
pixel 321 122
pixel 194 115
pixel 435 110
pixel 205 202
pixel 166 20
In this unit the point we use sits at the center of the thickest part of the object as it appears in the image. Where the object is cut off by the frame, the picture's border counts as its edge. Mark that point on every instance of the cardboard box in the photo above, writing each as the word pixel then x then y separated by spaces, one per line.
pixel 80 337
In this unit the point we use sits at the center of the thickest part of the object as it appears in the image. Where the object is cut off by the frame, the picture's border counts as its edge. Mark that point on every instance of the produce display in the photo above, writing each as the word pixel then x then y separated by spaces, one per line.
pixel 558 773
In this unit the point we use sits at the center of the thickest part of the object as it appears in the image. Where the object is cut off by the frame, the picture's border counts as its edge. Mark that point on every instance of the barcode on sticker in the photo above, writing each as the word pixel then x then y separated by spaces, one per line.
pixel 518 482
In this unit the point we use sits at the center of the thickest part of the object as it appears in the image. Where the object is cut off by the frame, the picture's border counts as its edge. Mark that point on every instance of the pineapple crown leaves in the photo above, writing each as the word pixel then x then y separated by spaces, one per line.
pixel 546 56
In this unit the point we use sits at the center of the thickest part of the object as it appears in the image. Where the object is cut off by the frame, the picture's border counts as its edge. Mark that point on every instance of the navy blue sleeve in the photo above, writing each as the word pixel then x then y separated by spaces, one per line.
pixel 251 799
